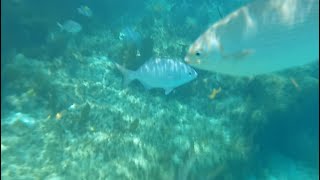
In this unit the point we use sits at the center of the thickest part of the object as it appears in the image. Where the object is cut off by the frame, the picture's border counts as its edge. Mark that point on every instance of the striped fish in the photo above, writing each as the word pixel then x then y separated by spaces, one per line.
pixel 160 73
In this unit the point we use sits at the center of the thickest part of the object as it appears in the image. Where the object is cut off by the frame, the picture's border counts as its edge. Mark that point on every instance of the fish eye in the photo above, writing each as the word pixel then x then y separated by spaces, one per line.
pixel 189 73
pixel 198 53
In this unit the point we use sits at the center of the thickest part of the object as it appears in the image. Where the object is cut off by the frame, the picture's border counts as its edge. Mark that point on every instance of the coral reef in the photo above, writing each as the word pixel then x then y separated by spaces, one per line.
pixel 104 130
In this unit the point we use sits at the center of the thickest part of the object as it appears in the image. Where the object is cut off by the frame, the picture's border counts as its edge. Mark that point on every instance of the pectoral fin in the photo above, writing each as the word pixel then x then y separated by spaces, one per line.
pixel 146 86
pixel 238 54
pixel 168 90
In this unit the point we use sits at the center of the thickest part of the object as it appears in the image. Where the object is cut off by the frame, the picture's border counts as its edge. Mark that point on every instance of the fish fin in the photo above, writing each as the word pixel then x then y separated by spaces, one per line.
pixel 239 54
pixel 146 86
pixel 138 53
pixel 221 16
pixel 128 75
pixel 167 90
pixel 60 26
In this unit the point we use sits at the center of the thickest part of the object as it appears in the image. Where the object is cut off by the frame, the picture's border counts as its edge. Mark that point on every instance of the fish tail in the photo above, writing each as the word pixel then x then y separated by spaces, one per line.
pixel 60 26
pixel 128 75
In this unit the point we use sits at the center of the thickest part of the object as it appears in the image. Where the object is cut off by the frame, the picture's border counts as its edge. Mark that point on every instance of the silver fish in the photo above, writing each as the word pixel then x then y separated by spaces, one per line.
pixel 160 73
pixel 70 26
pixel 262 37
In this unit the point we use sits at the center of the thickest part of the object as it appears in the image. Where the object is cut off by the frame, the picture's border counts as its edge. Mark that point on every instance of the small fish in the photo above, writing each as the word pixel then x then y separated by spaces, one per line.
pixel 85 11
pixel 59 116
pixel 160 73
pixel 295 84
pixel 131 37
pixel 72 107
pixel 214 93
pixel 261 37
pixel 70 26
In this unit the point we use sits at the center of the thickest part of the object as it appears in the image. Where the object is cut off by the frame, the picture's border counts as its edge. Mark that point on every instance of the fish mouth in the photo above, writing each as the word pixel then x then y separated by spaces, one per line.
pixel 187 60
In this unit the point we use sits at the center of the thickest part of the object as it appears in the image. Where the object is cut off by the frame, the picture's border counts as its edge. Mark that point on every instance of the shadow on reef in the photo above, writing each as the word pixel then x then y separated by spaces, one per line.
pixel 128 57
pixel 290 107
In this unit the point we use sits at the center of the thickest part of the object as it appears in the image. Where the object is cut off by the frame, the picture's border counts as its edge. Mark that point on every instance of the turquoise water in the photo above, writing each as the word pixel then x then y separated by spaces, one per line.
pixel 65 113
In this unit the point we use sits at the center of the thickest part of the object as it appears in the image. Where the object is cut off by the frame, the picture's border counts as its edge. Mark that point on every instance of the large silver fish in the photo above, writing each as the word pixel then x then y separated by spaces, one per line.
pixel 160 73
pixel 261 37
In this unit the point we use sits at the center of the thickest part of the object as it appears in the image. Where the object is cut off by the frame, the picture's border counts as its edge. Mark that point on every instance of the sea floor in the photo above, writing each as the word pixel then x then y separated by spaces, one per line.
pixel 70 117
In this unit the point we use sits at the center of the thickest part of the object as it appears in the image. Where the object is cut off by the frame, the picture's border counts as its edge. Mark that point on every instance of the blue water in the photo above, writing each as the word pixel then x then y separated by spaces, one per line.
pixel 65 113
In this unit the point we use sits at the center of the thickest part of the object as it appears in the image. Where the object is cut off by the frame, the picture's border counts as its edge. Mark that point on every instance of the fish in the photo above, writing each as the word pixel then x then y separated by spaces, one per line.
pixel 85 11
pixel 131 37
pixel 214 93
pixel 295 84
pixel 261 37
pixel 70 26
pixel 160 73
